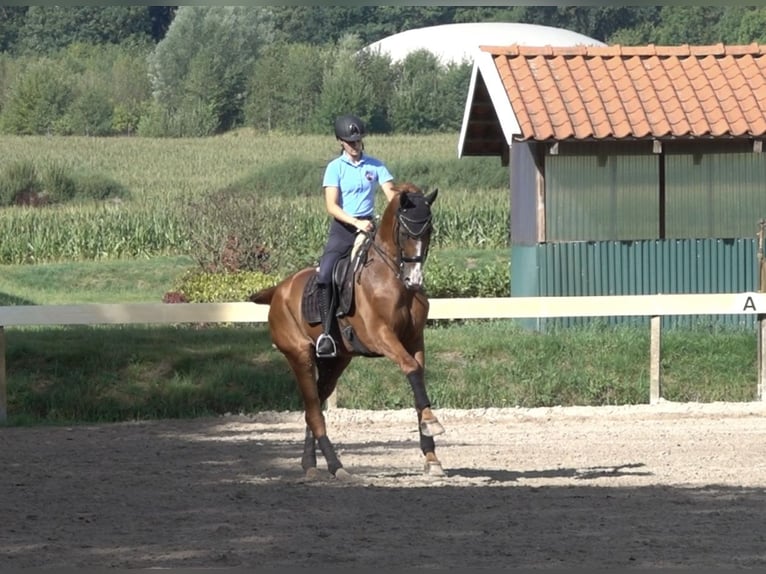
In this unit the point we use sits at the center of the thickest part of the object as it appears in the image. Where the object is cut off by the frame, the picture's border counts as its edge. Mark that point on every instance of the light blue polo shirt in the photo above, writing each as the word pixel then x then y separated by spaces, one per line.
pixel 356 183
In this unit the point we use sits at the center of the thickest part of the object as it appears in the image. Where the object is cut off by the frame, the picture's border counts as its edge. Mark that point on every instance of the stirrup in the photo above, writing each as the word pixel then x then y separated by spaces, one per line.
pixel 325 346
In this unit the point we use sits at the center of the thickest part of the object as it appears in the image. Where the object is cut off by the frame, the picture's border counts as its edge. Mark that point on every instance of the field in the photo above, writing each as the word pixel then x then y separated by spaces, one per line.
pixel 667 486
pixel 178 447
pixel 64 375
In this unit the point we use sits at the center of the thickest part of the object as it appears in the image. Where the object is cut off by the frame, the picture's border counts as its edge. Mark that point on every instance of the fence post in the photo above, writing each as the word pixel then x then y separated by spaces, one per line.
pixel 761 335
pixel 655 370
pixel 3 380
pixel 761 354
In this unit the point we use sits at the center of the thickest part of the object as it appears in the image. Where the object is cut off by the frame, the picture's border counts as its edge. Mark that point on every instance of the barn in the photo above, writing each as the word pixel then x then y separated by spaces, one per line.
pixel 633 170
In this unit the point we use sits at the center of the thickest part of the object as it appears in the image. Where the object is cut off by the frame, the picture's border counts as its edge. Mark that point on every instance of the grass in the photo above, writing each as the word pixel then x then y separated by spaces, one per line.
pixel 120 281
pixel 78 374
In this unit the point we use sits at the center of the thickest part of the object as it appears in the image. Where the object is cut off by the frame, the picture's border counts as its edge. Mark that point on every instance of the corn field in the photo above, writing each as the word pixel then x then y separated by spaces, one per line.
pixel 164 175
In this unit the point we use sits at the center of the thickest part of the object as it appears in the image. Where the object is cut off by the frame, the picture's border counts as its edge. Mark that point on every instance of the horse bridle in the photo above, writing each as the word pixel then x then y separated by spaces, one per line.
pixel 414 229
pixel 406 227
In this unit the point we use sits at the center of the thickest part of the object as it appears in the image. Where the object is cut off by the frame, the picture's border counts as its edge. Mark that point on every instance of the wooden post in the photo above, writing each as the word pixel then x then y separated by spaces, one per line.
pixel 655 371
pixel 761 317
pixel 3 380
pixel 761 354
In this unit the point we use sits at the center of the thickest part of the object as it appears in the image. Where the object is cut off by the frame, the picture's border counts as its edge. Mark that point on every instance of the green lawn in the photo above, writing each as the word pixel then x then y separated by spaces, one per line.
pixel 121 281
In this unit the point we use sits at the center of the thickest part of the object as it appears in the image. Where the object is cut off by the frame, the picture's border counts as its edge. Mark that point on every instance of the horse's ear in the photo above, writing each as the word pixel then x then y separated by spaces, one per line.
pixel 431 197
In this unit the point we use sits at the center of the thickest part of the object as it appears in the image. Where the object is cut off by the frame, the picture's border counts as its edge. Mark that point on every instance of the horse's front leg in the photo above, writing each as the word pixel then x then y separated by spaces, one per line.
pixel 433 466
pixel 428 424
pixel 413 366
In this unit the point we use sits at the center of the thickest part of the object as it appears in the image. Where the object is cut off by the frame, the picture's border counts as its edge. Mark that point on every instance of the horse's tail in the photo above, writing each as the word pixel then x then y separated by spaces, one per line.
pixel 263 296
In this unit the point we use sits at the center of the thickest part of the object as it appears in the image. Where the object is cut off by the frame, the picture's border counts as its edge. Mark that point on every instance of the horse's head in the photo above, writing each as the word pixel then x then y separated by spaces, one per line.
pixel 412 227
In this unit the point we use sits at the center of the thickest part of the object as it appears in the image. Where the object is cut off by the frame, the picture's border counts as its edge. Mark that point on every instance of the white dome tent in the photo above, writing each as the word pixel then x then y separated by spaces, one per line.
pixel 457 43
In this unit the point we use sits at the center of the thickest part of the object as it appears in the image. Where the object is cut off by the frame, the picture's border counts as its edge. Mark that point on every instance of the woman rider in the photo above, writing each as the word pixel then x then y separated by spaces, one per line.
pixel 350 181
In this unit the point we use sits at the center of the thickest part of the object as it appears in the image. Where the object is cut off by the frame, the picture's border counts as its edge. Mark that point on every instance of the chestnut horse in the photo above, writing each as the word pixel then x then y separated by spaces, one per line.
pixel 386 318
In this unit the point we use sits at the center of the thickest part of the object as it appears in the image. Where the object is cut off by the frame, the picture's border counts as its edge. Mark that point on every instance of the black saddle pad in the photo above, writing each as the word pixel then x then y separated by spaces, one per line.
pixel 342 290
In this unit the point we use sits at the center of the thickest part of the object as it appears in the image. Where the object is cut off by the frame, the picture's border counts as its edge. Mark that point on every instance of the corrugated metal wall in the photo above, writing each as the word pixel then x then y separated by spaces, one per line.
pixel 648 267
pixel 603 207
pixel 716 194
pixel 600 197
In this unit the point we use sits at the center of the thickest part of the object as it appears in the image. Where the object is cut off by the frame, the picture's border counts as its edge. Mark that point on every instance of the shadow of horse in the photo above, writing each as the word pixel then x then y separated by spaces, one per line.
pixel 588 473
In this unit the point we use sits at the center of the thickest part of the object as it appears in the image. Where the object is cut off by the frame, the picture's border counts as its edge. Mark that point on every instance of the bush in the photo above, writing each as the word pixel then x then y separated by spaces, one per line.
pixel 442 281
pixel 19 183
pixel 446 280
pixel 22 183
pixel 201 287
pixel 58 183
pixel 226 232
pixel 94 186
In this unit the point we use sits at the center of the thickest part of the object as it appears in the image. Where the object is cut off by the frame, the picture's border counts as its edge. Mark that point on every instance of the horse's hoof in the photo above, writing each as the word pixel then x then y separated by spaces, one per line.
pixel 431 427
pixel 434 468
pixel 343 474
pixel 313 473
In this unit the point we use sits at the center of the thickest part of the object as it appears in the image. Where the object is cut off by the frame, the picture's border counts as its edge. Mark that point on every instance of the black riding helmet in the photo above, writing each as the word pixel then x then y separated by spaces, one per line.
pixel 349 128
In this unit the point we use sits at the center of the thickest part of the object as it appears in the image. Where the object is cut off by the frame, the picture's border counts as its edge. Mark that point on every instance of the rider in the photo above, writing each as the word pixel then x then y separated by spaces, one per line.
pixel 349 189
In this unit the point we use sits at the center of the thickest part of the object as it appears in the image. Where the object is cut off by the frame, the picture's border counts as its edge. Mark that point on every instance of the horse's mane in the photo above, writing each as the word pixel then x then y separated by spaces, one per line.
pixel 407 187
pixel 393 204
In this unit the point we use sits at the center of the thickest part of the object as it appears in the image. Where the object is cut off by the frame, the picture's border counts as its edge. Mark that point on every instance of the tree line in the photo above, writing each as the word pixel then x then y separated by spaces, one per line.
pixel 201 70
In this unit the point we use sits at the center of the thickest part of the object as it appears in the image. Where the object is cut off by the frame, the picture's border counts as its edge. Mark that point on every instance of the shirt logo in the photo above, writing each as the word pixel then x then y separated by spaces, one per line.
pixel 369 175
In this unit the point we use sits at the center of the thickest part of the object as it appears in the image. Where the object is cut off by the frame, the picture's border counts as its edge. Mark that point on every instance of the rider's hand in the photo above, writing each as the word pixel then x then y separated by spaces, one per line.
pixel 364 225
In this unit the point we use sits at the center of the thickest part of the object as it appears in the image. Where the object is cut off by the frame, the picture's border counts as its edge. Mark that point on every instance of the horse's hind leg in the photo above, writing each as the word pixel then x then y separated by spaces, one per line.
pixel 316 382
pixel 309 459
pixel 328 373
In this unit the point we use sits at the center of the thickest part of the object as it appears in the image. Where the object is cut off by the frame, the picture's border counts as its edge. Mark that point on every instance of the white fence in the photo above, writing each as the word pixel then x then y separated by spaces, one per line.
pixel 653 306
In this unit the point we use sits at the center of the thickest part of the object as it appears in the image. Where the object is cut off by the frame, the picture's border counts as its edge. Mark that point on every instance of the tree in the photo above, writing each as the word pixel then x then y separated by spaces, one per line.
pixel 286 86
pixel 11 21
pixel 688 25
pixel 39 99
pixel 206 60
pixel 47 29
pixel 355 82
pixel 743 25
pixel 428 97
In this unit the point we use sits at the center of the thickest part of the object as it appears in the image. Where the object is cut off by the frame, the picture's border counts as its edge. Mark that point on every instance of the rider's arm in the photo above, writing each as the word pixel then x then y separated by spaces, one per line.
pixel 332 204
pixel 388 189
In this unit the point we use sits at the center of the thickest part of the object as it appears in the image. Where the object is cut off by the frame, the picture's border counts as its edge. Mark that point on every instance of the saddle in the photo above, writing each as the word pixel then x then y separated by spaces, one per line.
pixel 342 288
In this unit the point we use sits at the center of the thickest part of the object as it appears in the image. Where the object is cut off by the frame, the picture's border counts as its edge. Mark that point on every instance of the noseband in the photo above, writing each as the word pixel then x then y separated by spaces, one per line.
pixel 413 221
pixel 413 225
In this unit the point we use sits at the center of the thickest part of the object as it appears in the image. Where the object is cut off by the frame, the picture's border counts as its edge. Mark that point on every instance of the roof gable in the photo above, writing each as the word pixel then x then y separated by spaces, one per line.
pixel 592 92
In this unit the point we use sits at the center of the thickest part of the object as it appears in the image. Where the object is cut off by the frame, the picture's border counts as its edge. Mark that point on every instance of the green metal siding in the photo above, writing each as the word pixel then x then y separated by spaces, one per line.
pixel 645 267
pixel 714 194
pixel 601 197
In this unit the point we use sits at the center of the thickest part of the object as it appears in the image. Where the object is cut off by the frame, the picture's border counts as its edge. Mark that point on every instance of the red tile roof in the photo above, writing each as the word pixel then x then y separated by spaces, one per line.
pixel 589 92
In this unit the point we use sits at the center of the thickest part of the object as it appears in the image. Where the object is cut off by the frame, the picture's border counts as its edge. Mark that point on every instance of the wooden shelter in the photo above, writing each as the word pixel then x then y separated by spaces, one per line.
pixel 633 170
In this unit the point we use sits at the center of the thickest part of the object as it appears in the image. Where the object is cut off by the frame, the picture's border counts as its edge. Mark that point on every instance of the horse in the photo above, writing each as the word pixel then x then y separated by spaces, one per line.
pixel 386 318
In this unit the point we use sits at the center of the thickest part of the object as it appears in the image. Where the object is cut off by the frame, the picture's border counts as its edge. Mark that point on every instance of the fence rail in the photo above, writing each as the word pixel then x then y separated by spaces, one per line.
pixel 653 306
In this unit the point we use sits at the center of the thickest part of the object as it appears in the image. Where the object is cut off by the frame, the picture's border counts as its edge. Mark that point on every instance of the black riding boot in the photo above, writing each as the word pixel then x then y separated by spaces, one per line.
pixel 325 346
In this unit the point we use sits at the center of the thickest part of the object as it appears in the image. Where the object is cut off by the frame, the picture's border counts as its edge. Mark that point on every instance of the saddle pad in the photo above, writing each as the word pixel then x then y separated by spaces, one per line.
pixel 310 302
